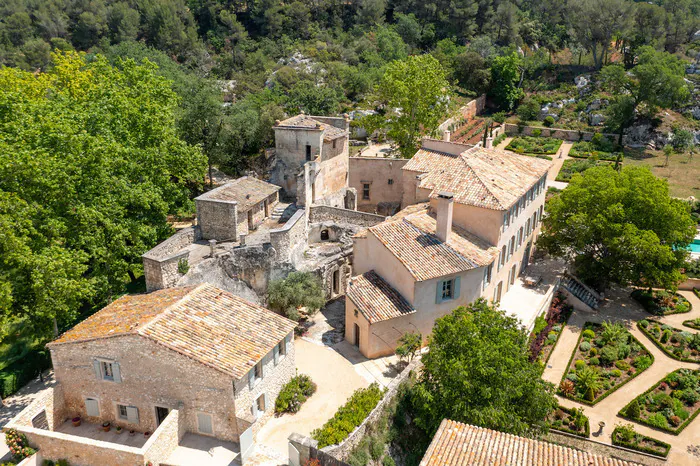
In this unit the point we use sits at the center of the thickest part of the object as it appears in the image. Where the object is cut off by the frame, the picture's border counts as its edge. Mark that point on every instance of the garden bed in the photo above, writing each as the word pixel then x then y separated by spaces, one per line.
pixel 694 324
pixel 601 150
pixel 670 405
pixel 547 330
pixel 570 420
pixel 662 303
pixel 627 437
pixel 607 356
pixel 677 344
pixel 572 166
pixel 531 145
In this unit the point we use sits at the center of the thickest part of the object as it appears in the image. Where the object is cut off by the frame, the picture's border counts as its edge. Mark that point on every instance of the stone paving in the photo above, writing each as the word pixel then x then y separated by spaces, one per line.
pixel 620 307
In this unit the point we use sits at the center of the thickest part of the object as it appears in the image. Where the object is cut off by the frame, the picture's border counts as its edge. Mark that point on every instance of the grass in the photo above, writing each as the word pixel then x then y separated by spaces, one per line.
pixel 572 166
pixel 682 174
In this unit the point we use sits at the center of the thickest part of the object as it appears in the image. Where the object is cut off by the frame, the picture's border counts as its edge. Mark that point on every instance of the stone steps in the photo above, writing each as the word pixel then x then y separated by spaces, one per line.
pixel 580 291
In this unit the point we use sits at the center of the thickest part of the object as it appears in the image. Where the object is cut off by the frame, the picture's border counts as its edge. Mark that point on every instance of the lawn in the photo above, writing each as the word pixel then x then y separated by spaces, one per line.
pixel 683 175
pixel 662 303
pixel 571 421
pixel 531 145
pixel 670 404
pixel 573 166
pixel 607 357
pixel 677 344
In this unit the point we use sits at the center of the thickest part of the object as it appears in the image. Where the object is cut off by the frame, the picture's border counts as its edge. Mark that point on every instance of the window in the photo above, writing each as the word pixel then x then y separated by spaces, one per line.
pixel 502 257
pixel 260 402
pixel 365 191
pixel 527 227
pixel 255 375
pixel 391 181
pixel 511 246
pixel 308 153
pixel 333 143
pixel 520 237
pixel 92 407
pixel 447 290
pixel 488 271
pixel 128 413
pixel 279 352
pixel 204 424
pixel 106 369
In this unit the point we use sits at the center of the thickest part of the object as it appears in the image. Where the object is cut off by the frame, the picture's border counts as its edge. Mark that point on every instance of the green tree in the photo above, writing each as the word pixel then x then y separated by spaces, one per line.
pixel 417 92
pixel 314 99
pixel 297 290
pixel 529 109
pixel 478 372
pixel 409 345
pixel 472 72
pixel 682 140
pixel 505 80
pixel 619 227
pixel 96 167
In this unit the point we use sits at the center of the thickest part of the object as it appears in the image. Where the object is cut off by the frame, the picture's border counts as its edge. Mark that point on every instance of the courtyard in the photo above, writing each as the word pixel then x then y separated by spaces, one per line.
pixel 620 307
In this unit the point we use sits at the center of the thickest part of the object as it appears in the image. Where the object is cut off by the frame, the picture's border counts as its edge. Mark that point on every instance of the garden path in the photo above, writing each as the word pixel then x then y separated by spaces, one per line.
pixel 559 161
pixel 620 307
pixel 504 143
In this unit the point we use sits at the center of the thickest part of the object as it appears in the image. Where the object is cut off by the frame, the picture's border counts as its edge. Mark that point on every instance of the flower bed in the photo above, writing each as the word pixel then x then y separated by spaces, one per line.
pixel 677 344
pixel 627 437
pixel 584 150
pixel 571 421
pixel 670 405
pixel 534 145
pixel 547 330
pixel 570 167
pixel 348 416
pixel 662 303
pixel 607 356
pixel 294 394
pixel 694 324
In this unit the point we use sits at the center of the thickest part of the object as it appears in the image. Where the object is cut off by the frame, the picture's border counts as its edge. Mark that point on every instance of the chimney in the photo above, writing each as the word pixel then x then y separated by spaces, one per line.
pixel 446 135
pixel 444 215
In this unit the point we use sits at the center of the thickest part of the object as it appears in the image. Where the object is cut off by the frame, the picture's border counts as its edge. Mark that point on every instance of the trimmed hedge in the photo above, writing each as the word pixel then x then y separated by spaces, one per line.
pixel 661 346
pixel 19 373
pixel 649 305
pixel 692 324
pixel 570 411
pixel 633 446
pixel 348 416
pixel 613 389
pixel 676 431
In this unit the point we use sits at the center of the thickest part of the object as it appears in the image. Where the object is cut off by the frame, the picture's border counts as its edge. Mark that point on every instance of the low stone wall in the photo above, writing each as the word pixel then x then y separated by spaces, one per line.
pixel 557 133
pixel 165 439
pixel 34 460
pixel 603 449
pixel 467 112
pixel 343 450
pixel 689 284
pixel 292 234
pixel 160 263
pixel 321 213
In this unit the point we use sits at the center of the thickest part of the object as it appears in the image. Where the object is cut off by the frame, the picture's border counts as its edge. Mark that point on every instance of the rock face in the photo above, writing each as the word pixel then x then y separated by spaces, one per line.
pixel 596 119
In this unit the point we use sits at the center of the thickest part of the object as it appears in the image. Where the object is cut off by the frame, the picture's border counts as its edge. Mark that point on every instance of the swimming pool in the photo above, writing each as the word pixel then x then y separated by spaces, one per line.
pixel 695 246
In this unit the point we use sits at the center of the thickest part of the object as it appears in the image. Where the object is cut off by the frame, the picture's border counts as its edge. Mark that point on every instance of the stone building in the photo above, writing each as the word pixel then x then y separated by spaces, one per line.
pixel 235 208
pixel 470 219
pixel 214 359
pixel 311 160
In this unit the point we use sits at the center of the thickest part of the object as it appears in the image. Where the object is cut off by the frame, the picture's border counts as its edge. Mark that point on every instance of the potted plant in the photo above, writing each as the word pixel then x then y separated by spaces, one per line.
pixel 76 421
pixel 118 429
pixel 106 426
pixel 146 434
pixel 132 433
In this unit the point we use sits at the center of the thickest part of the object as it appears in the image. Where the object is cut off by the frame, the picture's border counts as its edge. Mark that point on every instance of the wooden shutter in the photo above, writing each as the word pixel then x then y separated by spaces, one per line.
pixel 456 290
pixel 288 343
pixel 116 373
pixel 251 378
pixel 276 354
pixel 438 292
pixel 132 415
pixel 92 407
pixel 98 368
pixel 204 423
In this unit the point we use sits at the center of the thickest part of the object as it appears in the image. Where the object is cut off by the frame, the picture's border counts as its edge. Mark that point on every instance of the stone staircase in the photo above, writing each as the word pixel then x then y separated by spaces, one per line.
pixel 581 291
pixel 283 212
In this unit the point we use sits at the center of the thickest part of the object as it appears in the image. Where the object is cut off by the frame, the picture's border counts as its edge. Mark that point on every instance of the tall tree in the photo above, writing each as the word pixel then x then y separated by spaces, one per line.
pixel 417 92
pixel 597 22
pixel 619 227
pixel 478 372
pixel 506 74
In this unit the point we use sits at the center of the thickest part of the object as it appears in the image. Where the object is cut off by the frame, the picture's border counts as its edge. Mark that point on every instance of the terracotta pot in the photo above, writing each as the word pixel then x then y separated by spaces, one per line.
pixel 106 426
pixel 76 422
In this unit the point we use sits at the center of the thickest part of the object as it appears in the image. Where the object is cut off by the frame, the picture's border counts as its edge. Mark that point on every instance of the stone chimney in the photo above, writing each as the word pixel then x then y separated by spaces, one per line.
pixel 446 135
pixel 445 203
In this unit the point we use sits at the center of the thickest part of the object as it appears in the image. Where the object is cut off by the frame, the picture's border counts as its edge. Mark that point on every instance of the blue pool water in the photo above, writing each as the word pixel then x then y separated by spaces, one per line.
pixel 695 246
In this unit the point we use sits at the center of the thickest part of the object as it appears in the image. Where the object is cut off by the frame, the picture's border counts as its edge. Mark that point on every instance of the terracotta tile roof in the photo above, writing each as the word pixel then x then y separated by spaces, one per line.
pixel 487 178
pixel 245 191
pixel 376 299
pixel 207 324
pixel 457 444
pixel 410 237
pixel 305 121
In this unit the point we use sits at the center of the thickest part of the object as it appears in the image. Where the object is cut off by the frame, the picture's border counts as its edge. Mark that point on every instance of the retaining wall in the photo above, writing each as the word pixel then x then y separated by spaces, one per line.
pixel 321 213
pixel 689 284
pixel 292 234
pixel 467 112
pixel 557 133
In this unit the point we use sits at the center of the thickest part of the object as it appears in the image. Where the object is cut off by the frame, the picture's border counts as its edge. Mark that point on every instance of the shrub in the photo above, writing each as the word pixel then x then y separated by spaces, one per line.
pixel 298 289
pixel 642 363
pixel 183 266
pixel 528 110
pixel 633 411
pixel 623 351
pixel 18 445
pixel 22 371
pixel 616 373
pixel 585 346
pixel 376 449
pixel 409 344
pixel 579 364
pixel 622 365
pixel 348 416
pixel 537 132
pixel 549 121
pixel 626 432
pixel 294 394
pixel 566 387
pixel 608 355
pixel 594 361
pixel 665 336
pixel 594 352
pixel 689 396
pixel 644 323
pixel 658 420
pixel 588 334
pixel 675 421
pixel 388 461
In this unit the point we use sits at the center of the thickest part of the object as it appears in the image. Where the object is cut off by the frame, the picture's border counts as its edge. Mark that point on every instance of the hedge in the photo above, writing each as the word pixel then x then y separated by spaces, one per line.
pixel 632 446
pixel 19 373
pixel 650 306
pixel 616 387
pixel 691 324
pixel 348 416
pixel 569 411
pixel 661 346
pixel 676 431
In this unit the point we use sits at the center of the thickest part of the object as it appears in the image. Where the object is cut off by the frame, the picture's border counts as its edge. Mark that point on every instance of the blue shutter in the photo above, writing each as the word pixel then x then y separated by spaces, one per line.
pixel 456 293
pixel 438 292
pixel 251 378
pixel 98 368
pixel 276 354
pixel 116 372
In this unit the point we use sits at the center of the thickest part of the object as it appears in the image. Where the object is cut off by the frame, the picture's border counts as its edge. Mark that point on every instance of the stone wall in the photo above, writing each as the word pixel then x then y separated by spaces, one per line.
pixel 343 450
pixel 165 439
pixel 320 213
pixel 218 219
pixel 557 133
pixel 467 112
pixel 689 284
pixel 160 264
pixel 302 449
pixel 602 449
pixel 290 236
pixel 384 176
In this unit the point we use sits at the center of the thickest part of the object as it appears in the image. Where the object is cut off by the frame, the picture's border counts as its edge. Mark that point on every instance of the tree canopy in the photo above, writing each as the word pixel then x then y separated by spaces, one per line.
pixel 92 165
pixel 478 372
pixel 619 227
pixel 296 290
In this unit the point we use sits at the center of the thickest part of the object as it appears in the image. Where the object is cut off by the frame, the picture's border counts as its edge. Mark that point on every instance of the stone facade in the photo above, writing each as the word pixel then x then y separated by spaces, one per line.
pixel 320 213
pixel 383 175
pixel 160 264
pixel 217 219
